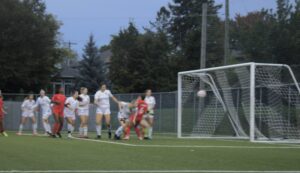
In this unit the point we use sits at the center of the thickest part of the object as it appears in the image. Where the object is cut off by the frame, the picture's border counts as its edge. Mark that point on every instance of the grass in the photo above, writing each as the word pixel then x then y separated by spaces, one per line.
pixel 162 153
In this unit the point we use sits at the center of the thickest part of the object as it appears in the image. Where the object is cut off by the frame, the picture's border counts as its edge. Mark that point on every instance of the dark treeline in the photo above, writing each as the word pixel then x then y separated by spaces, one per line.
pixel 144 59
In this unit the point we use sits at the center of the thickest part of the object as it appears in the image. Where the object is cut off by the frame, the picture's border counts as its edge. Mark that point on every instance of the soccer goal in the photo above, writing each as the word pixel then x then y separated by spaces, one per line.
pixel 255 101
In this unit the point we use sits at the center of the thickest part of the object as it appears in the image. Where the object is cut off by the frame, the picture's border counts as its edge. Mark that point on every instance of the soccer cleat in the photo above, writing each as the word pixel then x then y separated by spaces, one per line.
pixel 116 137
pixel 70 135
pixel 85 137
pixel 98 137
pixel 19 133
pixel 141 138
pixel 146 138
pixel 34 133
pixel 109 135
pixel 49 134
pixel 5 134
pixel 59 135
pixel 126 138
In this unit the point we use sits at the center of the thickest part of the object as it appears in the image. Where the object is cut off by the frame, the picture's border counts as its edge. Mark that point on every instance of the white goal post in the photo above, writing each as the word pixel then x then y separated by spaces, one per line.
pixel 256 101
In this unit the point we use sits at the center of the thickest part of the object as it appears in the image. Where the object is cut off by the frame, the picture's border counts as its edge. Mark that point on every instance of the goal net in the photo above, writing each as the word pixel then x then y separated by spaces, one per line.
pixel 255 101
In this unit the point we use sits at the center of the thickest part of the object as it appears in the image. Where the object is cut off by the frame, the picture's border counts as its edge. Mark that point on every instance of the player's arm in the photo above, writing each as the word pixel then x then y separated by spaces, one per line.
pixel 3 111
pixel 114 98
pixel 55 101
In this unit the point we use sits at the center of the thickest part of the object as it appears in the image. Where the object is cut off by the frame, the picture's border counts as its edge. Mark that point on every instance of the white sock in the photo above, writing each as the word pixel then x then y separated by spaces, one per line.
pixel 20 128
pixel 85 131
pixel 70 128
pixel 80 131
pixel 150 130
pixel 34 127
pixel 119 131
pixel 98 129
pixel 46 126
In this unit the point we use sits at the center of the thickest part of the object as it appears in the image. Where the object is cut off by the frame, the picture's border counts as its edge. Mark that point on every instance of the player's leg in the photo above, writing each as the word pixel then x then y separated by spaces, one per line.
pixel 120 130
pixel 23 121
pixel 99 116
pixel 150 128
pixel 2 131
pixel 70 126
pixel 56 124
pixel 34 125
pixel 143 125
pixel 46 124
pixel 108 125
pixel 85 126
pixel 61 124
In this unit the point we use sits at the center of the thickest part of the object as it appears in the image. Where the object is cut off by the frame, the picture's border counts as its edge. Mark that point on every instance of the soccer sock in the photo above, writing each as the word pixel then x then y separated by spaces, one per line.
pixel 45 126
pixel 109 128
pixel 55 128
pixel 85 131
pixel 150 130
pixel 80 131
pixel 20 128
pixel 98 129
pixel 69 128
pixel 34 127
pixel 137 131
pixel 48 128
pixel 1 127
pixel 119 131
pixel 127 131
pixel 146 132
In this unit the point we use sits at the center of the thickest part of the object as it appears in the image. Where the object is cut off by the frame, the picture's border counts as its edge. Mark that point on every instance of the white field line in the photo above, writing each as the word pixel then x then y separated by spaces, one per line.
pixel 188 146
pixel 143 171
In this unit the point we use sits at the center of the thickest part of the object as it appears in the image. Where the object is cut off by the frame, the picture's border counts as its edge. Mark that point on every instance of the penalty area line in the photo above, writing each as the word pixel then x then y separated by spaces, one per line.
pixel 187 146
pixel 143 171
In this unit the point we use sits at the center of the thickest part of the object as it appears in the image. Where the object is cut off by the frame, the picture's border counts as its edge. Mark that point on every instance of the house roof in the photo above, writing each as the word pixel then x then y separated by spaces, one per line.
pixel 68 70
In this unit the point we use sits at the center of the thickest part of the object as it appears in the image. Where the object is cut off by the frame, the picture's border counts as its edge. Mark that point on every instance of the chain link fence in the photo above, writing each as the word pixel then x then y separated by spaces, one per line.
pixel 165 112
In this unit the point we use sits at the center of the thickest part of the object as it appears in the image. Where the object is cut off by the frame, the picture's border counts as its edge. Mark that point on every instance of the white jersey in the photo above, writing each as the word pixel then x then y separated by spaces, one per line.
pixel 124 111
pixel 45 103
pixel 72 106
pixel 102 98
pixel 84 104
pixel 150 100
pixel 28 107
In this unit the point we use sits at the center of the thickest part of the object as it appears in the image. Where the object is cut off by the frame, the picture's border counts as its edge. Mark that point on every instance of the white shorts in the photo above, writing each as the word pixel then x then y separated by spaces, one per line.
pixel 122 116
pixel 72 116
pixel 27 114
pixel 83 112
pixel 149 116
pixel 46 114
pixel 103 111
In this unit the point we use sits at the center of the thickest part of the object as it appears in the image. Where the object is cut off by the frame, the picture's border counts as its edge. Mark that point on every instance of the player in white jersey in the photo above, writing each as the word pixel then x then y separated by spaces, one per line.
pixel 101 99
pixel 83 112
pixel 44 103
pixel 28 108
pixel 150 100
pixel 125 109
pixel 71 106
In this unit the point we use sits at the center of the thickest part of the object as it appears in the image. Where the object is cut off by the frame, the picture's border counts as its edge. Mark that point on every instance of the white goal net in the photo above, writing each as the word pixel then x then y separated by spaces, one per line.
pixel 255 101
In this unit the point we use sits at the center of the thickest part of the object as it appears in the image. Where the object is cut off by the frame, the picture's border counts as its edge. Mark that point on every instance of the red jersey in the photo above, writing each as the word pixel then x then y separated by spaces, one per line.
pixel 59 102
pixel 141 109
pixel 1 107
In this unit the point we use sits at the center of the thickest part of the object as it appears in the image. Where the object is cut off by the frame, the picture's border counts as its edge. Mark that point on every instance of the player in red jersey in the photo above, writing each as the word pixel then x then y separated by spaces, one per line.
pixel 2 112
pixel 136 120
pixel 58 101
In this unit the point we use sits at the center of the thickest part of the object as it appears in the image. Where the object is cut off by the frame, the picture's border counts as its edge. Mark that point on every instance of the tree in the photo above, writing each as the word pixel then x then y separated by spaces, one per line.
pixel 91 68
pixel 29 46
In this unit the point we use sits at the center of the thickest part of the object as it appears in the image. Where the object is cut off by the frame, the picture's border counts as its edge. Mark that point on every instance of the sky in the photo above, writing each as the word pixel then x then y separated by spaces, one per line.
pixel 104 18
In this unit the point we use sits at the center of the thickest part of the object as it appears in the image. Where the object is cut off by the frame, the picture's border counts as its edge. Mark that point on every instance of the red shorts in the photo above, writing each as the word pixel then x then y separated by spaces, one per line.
pixel 137 120
pixel 58 112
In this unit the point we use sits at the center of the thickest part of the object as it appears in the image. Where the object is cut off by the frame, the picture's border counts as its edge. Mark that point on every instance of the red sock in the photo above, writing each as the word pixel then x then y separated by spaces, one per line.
pixel 137 131
pixel 55 127
pixel 127 131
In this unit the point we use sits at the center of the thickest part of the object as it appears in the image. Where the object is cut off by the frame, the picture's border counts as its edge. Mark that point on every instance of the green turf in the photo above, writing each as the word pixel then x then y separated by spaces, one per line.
pixel 43 153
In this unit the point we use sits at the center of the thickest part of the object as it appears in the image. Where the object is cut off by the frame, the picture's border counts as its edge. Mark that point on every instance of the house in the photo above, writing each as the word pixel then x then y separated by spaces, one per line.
pixel 66 77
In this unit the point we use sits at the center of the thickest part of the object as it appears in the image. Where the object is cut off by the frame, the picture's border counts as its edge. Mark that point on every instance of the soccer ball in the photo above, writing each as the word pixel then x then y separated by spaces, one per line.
pixel 201 93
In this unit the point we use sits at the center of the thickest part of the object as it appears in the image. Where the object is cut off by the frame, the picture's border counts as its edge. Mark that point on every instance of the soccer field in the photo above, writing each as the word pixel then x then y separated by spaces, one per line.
pixel 165 153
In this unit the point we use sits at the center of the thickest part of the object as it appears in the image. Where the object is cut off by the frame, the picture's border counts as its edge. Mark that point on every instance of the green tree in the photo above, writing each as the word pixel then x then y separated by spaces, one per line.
pixel 91 67
pixel 29 47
